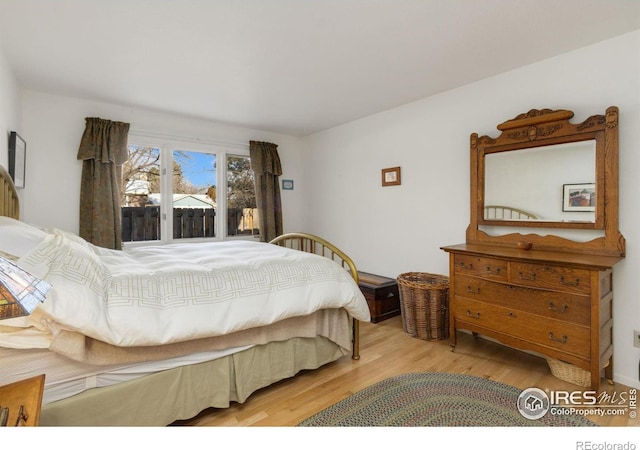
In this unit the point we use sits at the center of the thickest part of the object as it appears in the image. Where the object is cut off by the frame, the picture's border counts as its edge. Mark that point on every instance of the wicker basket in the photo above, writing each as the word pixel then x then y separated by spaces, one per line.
pixel 424 305
pixel 569 372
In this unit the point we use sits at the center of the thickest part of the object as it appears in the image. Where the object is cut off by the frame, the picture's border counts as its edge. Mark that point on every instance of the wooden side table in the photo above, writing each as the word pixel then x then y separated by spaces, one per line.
pixel 381 294
pixel 23 400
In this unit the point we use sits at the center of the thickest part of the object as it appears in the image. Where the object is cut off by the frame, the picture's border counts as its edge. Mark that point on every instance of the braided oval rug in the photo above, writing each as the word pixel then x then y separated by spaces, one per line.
pixel 435 399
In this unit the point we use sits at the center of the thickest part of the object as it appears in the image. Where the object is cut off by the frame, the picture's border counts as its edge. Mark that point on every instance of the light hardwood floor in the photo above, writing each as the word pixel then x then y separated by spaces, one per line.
pixel 386 350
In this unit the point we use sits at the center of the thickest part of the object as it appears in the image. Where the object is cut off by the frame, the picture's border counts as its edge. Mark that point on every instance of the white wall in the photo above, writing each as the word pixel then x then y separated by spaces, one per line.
pixel 10 108
pixel 53 126
pixel 391 230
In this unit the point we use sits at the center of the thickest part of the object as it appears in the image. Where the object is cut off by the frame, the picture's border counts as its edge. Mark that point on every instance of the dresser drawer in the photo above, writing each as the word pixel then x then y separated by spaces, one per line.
pixel 560 335
pixel 567 307
pixel 494 269
pixel 564 279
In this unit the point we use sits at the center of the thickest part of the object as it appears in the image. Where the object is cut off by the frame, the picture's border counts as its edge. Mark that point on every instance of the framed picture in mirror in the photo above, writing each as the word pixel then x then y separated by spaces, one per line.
pixel 579 197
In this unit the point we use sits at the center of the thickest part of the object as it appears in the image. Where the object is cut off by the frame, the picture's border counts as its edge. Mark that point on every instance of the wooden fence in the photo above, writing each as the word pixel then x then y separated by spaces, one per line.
pixel 142 223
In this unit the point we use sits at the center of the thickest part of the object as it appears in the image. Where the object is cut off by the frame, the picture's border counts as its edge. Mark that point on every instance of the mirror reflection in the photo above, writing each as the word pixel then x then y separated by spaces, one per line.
pixel 554 183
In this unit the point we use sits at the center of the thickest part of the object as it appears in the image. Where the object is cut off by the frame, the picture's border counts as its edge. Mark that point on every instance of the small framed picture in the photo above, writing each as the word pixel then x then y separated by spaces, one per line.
pixel 17 158
pixel 391 176
pixel 287 185
pixel 579 197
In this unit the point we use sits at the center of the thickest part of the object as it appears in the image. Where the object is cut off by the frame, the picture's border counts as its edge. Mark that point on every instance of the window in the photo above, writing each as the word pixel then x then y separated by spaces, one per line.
pixel 176 191
pixel 242 214
pixel 140 186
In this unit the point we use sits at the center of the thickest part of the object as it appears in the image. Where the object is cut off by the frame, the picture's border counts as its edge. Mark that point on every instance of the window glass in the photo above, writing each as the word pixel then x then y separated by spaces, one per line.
pixel 242 214
pixel 194 194
pixel 174 192
pixel 141 195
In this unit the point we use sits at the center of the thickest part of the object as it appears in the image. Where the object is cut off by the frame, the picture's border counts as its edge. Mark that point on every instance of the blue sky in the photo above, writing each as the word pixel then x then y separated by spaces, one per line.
pixel 199 168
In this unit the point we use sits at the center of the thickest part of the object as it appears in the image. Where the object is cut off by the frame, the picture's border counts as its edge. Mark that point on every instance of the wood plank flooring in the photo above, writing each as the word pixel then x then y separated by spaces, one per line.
pixel 386 350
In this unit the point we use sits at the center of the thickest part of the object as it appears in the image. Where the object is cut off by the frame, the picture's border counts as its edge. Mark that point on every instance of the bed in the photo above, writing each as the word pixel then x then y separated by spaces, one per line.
pixel 148 336
pixel 500 212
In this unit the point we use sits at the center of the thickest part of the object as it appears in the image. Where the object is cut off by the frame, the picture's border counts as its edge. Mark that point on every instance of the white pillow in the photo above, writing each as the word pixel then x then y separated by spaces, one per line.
pixel 18 238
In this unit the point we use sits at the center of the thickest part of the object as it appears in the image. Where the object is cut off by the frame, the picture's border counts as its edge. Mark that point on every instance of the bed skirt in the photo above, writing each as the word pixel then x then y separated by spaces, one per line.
pixel 181 393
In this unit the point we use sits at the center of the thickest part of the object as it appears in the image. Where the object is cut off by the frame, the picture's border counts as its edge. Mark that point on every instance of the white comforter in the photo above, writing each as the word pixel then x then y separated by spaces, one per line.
pixel 164 294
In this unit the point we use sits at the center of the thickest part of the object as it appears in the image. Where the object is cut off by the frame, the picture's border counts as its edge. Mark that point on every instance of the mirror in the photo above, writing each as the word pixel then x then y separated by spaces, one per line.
pixel 554 183
pixel 543 171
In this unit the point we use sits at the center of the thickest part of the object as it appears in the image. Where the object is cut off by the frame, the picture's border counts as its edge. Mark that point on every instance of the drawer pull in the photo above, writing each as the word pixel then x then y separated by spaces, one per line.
pixel 562 340
pixel 473 316
pixel 471 290
pixel 390 294
pixel 553 307
pixel 531 277
pixel 495 271
pixel 465 266
pixel 512 314
pixel 570 283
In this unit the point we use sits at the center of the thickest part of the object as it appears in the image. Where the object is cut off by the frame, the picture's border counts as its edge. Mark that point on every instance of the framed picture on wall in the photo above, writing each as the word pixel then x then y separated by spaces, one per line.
pixel 579 197
pixel 391 176
pixel 17 158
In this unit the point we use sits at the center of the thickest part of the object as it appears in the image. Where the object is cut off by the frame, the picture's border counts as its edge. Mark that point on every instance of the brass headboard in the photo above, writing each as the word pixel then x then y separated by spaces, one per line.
pixel 9 202
pixel 507 213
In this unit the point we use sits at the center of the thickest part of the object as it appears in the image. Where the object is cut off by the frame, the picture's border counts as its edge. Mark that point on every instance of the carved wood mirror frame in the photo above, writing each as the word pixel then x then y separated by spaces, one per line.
pixel 539 128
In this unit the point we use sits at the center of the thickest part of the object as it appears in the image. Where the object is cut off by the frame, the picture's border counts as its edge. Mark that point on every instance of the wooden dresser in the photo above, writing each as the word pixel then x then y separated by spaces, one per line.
pixel 23 399
pixel 554 303
pixel 542 281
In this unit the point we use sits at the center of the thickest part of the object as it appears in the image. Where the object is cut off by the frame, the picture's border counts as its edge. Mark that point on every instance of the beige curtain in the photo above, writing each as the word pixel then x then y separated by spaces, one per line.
pixel 266 167
pixel 103 150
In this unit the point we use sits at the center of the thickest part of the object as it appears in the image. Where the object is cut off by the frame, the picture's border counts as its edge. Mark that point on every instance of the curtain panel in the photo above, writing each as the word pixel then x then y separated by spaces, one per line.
pixel 265 163
pixel 103 150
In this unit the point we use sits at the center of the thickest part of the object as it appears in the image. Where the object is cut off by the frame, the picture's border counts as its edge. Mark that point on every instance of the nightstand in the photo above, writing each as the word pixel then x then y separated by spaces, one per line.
pixel 382 295
pixel 24 400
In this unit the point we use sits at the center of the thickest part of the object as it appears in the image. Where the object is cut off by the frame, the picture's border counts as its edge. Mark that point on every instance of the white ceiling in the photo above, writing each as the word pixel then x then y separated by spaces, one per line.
pixel 292 66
